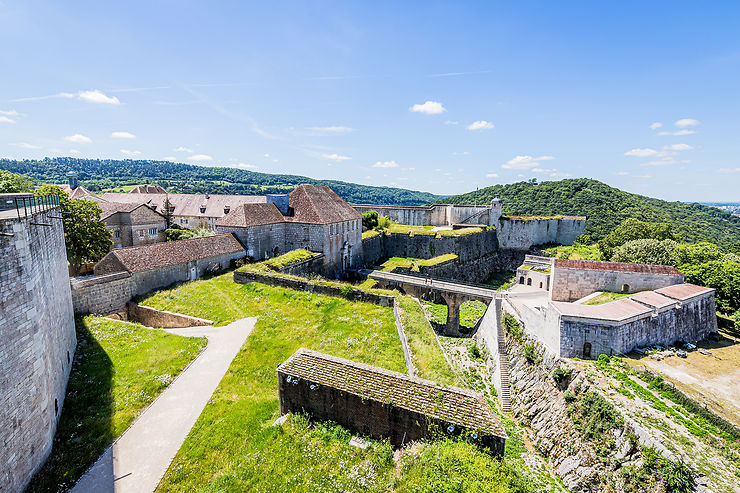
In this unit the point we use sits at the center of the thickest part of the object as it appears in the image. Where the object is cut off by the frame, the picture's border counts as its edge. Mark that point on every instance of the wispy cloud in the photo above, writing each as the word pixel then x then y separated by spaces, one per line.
pixel 385 164
pixel 91 96
pixel 330 130
pixel 25 145
pixel 244 166
pixel 686 122
pixel 491 175
pixel 646 152
pixel 525 162
pixel 183 149
pixel 728 170
pixel 78 139
pixel 429 108
pixel 679 147
pixel 129 153
pixel 655 125
pixel 457 74
pixel 122 135
pixel 336 157
pixel 200 157
pixel 139 89
pixel 5 119
pixel 678 132
pixel 5 116
pixel 230 114
pixel 480 125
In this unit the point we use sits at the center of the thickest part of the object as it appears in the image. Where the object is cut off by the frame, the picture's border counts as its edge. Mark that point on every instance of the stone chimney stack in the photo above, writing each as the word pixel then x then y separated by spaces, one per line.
pixel 72 179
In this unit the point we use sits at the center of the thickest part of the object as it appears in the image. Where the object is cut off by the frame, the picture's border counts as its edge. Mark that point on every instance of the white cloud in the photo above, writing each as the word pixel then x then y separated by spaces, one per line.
pixel 183 149
pixel 655 125
pixel 123 135
pixel 335 157
pixel 9 113
pixel 450 122
pixel 5 119
pixel 728 170
pixel 200 157
pixel 333 129
pixel 543 170
pixel 169 158
pixel 428 108
pixel 686 122
pixel 678 132
pixel 642 152
pixel 78 139
pixel 74 151
pixel 97 97
pixel 126 152
pixel 643 177
pixel 491 175
pixel 25 145
pixel 266 155
pixel 480 125
pixel 622 173
pixel 678 147
pixel 525 162
pixel 245 166
pixel 385 164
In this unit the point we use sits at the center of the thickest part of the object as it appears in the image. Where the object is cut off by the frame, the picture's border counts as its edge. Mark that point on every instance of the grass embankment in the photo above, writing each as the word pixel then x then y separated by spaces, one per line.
pixel 430 230
pixel 118 369
pixel 470 313
pixel 607 297
pixel 416 264
pixel 427 356
pixel 232 447
pixel 290 258
pixel 575 252
pixel 502 280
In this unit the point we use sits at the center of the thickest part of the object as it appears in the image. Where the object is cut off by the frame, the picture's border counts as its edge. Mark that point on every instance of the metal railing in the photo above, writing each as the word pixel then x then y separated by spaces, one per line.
pixel 26 205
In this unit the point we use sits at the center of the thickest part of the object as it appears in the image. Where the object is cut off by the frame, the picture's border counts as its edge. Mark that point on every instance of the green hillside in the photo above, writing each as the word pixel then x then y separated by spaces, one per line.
pixel 606 207
pixel 105 174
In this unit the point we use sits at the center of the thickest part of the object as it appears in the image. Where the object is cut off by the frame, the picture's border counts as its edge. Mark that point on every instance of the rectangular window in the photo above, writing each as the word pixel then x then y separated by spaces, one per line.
pixel 118 234
pixel 153 231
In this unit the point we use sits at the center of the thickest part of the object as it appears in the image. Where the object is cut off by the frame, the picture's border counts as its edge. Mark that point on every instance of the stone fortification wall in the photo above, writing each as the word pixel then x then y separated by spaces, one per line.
pixel 413 216
pixel 151 317
pixel 37 331
pixel 260 241
pixel 305 267
pixel 522 234
pixel 693 321
pixel 243 277
pixel 541 322
pixel 574 284
pixel 101 294
pixel 436 214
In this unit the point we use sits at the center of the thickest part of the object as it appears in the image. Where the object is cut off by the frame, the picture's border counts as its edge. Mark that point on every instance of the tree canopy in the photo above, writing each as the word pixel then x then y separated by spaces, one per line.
pixel 14 183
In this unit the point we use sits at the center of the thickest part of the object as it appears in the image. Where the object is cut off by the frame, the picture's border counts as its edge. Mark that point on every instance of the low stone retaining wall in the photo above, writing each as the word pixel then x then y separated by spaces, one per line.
pixel 312 265
pixel 242 277
pixel 151 317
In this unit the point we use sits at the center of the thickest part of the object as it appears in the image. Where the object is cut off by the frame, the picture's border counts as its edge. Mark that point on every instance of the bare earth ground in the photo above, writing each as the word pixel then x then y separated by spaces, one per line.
pixel 712 380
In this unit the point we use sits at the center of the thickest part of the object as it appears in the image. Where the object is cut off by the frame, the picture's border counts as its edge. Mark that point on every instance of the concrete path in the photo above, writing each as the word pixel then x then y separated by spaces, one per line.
pixel 139 458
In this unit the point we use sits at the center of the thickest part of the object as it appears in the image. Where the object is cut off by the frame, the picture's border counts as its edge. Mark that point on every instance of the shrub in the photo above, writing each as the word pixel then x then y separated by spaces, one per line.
pixel 474 351
pixel 530 354
pixel 370 219
pixel 513 327
pixel 384 223
pixel 347 290
pixel 569 396
pixel 594 417
pixel 560 375
pixel 646 251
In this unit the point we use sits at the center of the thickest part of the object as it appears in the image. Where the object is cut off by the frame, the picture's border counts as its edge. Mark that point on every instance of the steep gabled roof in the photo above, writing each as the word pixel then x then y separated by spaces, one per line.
pixel 616 267
pixel 188 204
pixel 80 193
pixel 247 215
pixel 148 189
pixel 147 257
pixel 110 208
pixel 319 205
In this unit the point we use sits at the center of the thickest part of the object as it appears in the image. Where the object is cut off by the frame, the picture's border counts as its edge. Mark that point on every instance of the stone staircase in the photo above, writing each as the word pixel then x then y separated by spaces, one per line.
pixel 503 359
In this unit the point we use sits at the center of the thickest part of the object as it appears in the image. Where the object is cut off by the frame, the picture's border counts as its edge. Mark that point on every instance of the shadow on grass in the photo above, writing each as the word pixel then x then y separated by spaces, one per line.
pixel 85 427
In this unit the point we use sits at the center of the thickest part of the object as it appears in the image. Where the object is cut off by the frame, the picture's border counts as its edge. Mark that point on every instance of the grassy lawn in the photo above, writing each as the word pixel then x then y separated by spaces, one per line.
pixel 429 230
pixel 470 313
pixel 118 369
pixel 290 258
pixel 232 446
pixel 415 264
pixel 426 354
pixel 606 297
pixel 575 252
pixel 502 280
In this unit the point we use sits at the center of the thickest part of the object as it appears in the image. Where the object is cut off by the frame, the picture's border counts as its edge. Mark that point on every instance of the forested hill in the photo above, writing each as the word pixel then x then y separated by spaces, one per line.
pixel 606 207
pixel 104 174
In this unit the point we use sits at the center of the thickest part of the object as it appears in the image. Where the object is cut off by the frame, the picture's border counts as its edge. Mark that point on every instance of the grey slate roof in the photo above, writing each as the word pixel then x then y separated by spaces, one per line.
pixel 450 404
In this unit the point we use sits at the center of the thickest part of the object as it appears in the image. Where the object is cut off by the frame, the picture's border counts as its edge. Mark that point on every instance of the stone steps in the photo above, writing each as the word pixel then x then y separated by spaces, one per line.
pixel 505 394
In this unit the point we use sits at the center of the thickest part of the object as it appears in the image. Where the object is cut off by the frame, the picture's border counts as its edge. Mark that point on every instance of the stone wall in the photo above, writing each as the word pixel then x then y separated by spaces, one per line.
pixel 574 284
pixel 151 317
pixel 101 294
pixel 37 331
pixel 305 267
pixel 436 214
pixel 243 277
pixel 522 234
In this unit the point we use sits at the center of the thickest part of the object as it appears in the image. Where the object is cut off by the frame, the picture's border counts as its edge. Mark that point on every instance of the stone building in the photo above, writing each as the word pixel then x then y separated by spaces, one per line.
pixel 132 224
pixel 311 217
pixel 380 403
pixel 437 214
pixel 188 210
pixel 128 272
pixel 37 331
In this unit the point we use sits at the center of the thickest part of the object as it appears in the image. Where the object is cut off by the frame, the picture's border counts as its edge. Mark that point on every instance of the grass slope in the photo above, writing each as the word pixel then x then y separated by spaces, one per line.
pixel 104 174
pixel 118 369
pixel 606 207
pixel 232 447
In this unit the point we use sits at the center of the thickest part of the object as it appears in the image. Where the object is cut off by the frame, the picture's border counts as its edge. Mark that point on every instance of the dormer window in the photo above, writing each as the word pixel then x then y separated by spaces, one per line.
pixel 226 209
pixel 202 209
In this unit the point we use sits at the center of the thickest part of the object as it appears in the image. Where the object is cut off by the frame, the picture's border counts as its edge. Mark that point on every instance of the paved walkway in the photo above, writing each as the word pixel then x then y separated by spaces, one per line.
pixel 438 285
pixel 139 458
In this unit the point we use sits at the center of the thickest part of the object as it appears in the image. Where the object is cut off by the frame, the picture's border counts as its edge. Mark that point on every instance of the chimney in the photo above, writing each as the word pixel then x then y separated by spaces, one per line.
pixel 72 179
pixel 281 201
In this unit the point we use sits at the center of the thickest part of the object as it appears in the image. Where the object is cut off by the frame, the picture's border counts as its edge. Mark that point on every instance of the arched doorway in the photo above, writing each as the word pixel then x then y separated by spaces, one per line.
pixel 625 288
pixel 521 280
pixel 529 282
pixel 587 350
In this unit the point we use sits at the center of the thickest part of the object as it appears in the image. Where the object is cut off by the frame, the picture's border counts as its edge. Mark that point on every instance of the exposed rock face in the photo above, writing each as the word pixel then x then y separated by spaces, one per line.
pixel 538 402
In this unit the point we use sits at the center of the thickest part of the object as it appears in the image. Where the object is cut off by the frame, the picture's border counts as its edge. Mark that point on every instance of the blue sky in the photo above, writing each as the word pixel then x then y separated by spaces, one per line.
pixel 437 96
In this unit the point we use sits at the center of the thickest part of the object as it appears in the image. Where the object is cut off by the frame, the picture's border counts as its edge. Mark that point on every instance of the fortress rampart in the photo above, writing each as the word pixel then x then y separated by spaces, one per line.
pixel 37 331
pixel 437 214
pixel 521 233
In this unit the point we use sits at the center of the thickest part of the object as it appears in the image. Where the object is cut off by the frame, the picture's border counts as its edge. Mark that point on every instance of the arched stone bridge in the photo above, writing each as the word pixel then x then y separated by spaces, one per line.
pixel 454 294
